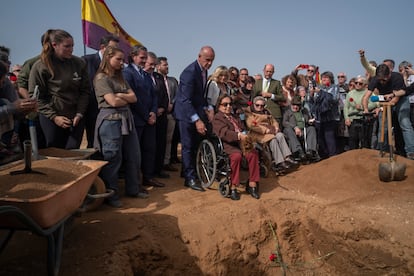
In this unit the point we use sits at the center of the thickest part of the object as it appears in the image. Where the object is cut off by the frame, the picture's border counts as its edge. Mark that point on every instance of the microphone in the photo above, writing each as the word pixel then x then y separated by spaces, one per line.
pixel 377 98
pixel 374 98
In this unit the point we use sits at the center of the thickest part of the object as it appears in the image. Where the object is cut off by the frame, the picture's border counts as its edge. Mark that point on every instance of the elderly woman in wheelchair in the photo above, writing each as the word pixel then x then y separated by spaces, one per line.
pixel 265 129
pixel 230 130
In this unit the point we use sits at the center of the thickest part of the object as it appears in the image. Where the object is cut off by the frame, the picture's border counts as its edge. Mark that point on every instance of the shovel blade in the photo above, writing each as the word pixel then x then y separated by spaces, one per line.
pixel 391 171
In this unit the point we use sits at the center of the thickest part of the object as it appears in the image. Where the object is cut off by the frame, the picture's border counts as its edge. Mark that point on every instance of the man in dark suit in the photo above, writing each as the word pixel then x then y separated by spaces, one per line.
pixel 144 111
pixel 191 112
pixel 93 61
pixel 171 85
pixel 161 126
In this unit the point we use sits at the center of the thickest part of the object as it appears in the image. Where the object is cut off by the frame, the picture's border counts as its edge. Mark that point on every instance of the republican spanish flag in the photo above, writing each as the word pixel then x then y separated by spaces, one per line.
pixel 98 21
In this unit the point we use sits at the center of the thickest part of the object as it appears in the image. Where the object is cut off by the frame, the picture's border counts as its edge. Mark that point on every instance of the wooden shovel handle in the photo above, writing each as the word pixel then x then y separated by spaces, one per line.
pixel 384 113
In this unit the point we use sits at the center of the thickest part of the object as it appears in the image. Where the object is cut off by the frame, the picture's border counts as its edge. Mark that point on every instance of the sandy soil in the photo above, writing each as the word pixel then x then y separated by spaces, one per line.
pixel 330 218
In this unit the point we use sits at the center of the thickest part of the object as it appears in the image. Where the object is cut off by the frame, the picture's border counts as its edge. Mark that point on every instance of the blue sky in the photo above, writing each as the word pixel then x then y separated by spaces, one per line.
pixel 249 34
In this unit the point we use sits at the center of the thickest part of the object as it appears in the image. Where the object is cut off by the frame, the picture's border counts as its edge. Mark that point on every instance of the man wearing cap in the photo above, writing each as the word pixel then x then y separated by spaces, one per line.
pixel 298 126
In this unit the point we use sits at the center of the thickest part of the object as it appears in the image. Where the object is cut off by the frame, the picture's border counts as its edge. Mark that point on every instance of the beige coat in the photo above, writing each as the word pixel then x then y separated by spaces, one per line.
pixel 258 124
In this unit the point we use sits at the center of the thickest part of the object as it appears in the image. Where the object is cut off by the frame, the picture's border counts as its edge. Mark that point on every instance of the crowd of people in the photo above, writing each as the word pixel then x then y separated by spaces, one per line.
pixel 134 114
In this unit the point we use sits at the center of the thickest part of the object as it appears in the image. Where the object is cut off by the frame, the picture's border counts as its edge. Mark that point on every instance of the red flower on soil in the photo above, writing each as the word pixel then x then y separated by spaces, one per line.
pixel 272 257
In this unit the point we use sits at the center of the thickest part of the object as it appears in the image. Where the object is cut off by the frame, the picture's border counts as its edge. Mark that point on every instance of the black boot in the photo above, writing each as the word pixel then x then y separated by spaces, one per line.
pixel 234 195
pixel 254 192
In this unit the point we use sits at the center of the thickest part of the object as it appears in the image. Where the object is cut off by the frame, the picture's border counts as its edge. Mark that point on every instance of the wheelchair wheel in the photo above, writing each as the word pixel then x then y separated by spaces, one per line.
pixel 206 163
pixel 224 187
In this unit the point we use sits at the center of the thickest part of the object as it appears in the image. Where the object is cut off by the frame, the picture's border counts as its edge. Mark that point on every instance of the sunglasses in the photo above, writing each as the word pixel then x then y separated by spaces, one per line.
pixel 226 104
pixel 311 71
pixel 259 105
pixel 359 83
pixel 341 77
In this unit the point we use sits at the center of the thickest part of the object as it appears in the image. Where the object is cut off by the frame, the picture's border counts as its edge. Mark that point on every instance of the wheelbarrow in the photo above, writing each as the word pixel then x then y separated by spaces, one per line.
pixel 42 202
pixel 392 170
pixel 98 191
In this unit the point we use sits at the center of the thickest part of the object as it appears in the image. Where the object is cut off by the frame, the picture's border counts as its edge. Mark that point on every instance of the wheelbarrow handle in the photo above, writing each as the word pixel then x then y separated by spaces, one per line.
pixel 109 192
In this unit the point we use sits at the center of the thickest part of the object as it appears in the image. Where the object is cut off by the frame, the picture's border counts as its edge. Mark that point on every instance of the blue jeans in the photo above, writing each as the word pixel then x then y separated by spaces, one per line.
pixel 403 110
pixel 117 148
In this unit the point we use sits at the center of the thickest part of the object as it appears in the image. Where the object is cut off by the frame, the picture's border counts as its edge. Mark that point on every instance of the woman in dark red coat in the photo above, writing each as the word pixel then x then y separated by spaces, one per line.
pixel 230 130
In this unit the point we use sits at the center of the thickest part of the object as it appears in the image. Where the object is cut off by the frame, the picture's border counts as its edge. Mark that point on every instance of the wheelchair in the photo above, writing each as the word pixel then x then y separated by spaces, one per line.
pixel 213 164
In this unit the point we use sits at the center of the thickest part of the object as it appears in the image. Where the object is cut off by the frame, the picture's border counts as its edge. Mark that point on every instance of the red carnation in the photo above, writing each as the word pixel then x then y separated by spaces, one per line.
pixel 351 100
pixel 13 78
pixel 272 257
pixel 249 103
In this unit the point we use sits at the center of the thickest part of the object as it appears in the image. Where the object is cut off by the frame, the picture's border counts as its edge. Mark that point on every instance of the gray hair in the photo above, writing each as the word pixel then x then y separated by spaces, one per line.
pixel 258 98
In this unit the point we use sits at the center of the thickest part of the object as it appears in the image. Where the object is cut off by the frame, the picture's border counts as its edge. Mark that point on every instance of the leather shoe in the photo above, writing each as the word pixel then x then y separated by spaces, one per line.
pixel 170 168
pixel 153 182
pixel 139 195
pixel 293 165
pixel 291 160
pixel 234 195
pixel 191 183
pixel 315 156
pixel 162 174
pixel 283 167
pixel 116 203
pixel 253 191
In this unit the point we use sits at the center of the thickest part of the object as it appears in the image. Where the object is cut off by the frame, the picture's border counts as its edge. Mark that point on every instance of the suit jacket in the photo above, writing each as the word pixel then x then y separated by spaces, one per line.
pixel 224 129
pixel 142 85
pixel 93 61
pixel 289 119
pixel 271 104
pixel 173 87
pixel 190 99
pixel 161 91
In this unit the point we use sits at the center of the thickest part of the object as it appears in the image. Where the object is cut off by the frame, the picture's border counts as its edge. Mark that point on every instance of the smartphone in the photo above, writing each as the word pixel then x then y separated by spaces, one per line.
pixel 36 93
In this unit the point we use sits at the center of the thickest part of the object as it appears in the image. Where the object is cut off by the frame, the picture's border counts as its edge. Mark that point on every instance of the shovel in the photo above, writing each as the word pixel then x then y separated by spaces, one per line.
pixel 392 170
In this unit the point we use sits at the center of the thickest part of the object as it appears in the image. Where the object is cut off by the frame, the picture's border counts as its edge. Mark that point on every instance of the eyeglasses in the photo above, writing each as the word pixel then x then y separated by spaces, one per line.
pixel 259 105
pixel 359 83
pixel 311 71
pixel 341 77
pixel 226 104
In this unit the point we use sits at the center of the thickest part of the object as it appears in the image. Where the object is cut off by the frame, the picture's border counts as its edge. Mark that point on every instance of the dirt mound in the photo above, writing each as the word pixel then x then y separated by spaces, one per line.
pixel 330 218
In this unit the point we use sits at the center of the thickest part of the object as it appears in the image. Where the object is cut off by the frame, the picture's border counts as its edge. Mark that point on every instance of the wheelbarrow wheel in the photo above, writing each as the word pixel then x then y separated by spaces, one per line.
pixel 98 187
